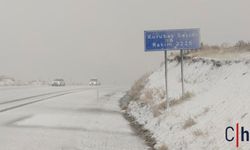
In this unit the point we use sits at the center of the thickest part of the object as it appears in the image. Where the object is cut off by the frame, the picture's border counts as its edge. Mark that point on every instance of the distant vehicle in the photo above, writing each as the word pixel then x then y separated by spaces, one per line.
pixel 94 82
pixel 58 82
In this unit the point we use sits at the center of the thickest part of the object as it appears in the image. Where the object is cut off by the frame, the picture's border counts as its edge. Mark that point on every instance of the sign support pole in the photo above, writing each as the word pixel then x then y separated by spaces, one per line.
pixel 166 76
pixel 97 93
pixel 182 76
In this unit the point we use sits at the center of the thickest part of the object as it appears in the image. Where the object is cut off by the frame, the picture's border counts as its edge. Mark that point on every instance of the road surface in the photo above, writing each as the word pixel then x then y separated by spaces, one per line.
pixel 64 118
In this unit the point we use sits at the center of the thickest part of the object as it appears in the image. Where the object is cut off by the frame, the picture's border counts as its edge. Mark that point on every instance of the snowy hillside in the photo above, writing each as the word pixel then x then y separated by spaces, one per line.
pixel 217 96
pixel 6 81
pixel 10 81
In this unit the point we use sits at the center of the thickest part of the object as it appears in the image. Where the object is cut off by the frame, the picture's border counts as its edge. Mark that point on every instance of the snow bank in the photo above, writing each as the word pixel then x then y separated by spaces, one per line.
pixel 220 96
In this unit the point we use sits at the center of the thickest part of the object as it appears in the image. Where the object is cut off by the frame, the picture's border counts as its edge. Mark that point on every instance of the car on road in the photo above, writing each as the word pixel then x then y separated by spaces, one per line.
pixel 94 82
pixel 58 82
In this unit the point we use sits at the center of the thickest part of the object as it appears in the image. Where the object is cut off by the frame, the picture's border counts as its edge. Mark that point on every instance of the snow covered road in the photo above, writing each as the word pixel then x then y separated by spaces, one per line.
pixel 64 118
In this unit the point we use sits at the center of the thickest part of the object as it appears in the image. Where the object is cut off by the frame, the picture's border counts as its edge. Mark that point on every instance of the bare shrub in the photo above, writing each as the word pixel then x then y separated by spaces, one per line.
pixel 160 92
pixel 180 100
pixel 242 45
pixel 163 147
pixel 198 133
pixel 206 110
pixel 189 123
pixel 215 47
pixel 156 111
pixel 148 96
pixel 187 95
pixel 162 105
pixel 135 92
pixel 138 86
pixel 159 108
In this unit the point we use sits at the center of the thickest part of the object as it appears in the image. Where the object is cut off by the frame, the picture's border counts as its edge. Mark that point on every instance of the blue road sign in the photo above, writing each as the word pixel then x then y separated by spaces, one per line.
pixel 162 40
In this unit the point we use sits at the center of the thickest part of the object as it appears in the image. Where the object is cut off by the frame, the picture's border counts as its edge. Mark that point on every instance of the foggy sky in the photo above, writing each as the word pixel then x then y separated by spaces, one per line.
pixel 81 39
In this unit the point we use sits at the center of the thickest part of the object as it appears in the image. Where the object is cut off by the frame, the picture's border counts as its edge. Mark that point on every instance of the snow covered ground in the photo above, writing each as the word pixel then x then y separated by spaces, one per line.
pixel 219 92
pixel 74 121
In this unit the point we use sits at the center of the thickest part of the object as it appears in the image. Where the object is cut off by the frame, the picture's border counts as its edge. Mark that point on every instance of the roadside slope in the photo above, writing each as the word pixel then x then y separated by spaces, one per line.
pixel 217 96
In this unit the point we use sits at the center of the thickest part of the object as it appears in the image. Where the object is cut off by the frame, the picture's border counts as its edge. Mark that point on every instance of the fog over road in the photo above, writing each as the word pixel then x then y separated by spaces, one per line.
pixel 64 118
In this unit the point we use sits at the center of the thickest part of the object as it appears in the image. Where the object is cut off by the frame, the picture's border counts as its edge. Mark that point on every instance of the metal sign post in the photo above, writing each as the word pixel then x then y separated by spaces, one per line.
pixel 166 76
pixel 182 75
pixel 97 93
pixel 178 39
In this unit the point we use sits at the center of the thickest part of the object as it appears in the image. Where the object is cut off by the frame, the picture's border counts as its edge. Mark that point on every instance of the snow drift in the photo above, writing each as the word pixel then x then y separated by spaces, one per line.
pixel 217 96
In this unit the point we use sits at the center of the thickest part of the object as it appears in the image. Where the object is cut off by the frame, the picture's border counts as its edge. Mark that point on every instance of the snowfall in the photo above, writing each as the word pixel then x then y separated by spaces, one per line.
pixel 219 95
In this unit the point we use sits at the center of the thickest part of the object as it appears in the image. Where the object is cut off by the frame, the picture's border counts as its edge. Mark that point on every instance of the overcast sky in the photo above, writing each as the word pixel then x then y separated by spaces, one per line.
pixel 81 39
